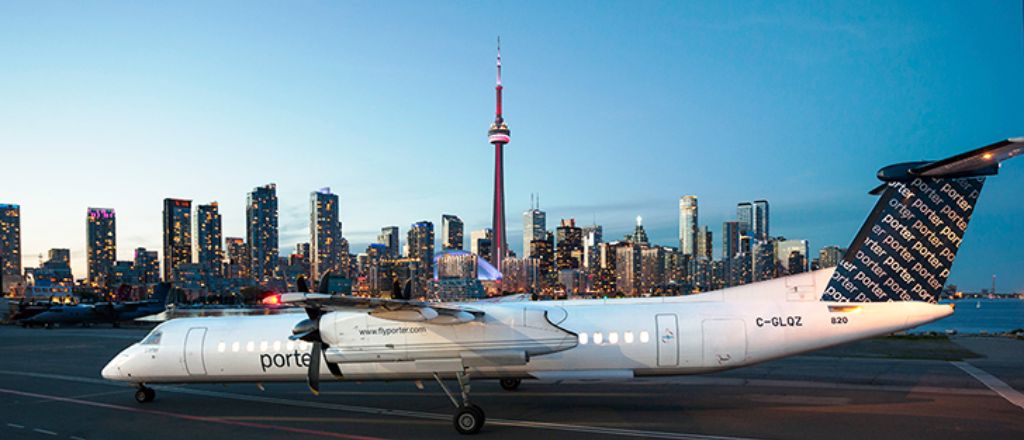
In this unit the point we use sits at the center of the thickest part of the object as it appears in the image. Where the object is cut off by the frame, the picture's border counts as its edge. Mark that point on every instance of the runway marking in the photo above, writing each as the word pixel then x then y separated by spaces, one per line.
pixel 993 383
pixel 363 410
pixel 12 425
pixel 43 431
pixel 183 416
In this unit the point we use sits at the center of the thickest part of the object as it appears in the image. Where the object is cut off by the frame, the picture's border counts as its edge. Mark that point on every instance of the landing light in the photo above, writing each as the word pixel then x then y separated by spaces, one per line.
pixel 987 155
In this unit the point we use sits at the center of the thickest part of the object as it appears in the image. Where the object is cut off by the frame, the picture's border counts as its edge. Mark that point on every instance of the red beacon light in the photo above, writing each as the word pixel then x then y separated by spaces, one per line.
pixel 272 300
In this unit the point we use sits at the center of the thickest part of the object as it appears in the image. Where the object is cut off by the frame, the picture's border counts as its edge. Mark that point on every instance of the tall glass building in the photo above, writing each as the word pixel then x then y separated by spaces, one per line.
pixel 325 234
pixel 688 225
pixel 209 251
pixel 177 235
pixel 389 238
pixel 451 232
pixel 261 232
pixel 101 243
pixel 10 246
pixel 534 228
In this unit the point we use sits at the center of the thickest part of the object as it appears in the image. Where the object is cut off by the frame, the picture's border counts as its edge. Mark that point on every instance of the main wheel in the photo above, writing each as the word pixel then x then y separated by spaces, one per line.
pixel 510 384
pixel 469 419
pixel 144 395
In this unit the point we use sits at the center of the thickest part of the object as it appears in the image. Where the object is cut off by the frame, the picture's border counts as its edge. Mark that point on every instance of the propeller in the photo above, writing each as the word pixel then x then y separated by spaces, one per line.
pixel 309 330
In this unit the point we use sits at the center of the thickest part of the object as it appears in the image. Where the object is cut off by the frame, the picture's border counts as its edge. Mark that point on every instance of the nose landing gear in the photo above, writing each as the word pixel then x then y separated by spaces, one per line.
pixel 144 394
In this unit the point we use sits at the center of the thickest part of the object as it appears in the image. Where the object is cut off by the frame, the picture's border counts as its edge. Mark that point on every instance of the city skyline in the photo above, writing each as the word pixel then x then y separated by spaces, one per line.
pixel 822 200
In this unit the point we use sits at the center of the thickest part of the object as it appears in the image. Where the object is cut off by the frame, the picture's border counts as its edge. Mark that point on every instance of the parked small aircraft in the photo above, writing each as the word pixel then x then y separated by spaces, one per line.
pixel 113 313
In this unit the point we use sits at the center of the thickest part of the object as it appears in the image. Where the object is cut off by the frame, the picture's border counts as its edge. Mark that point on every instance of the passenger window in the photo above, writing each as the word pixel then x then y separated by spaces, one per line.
pixel 598 338
pixel 583 339
pixel 628 337
pixel 221 347
pixel 153 338
pixel 235 346
pixel 644 336
pixel 613 338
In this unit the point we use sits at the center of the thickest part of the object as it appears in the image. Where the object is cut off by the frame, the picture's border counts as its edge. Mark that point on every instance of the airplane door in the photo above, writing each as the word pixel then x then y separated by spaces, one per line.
pixel 668 340
pixel 725 342
pixel 194 362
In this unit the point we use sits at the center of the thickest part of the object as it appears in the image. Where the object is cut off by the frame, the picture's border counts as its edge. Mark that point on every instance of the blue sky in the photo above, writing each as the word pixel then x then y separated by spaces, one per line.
pixel 616 110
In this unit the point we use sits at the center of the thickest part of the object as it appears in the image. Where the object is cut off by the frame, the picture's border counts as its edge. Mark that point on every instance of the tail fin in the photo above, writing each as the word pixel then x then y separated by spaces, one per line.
pixel 160 292
pixel 907 246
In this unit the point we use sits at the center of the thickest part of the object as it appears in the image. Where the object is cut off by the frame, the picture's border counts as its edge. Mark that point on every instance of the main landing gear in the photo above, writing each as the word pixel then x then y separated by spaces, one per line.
pixel 469 418
pixel 510 383
pixel 144 394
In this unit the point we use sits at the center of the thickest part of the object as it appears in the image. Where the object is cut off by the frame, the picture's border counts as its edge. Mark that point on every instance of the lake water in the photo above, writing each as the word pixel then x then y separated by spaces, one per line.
pixel 978 315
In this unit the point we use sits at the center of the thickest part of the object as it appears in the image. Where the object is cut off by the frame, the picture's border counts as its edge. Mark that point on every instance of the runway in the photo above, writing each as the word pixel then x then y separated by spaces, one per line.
pixel 50 388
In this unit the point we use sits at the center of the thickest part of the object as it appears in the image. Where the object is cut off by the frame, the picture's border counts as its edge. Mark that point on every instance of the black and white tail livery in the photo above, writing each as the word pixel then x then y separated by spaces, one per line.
pixel 906 248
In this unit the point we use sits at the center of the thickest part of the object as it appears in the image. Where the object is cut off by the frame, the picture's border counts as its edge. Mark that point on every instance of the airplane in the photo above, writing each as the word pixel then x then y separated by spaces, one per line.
pixel 101 313
pixel 889 280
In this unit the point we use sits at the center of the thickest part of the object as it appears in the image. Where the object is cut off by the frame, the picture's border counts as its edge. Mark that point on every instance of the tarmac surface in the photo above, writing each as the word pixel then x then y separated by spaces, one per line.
pixel 50 388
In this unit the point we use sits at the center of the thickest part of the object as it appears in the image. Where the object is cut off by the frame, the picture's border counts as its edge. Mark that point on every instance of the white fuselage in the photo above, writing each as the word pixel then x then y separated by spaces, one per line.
pixel 576 339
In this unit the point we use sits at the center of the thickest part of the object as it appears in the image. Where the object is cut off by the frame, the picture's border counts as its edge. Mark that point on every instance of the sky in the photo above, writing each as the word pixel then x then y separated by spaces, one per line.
pixel 616 109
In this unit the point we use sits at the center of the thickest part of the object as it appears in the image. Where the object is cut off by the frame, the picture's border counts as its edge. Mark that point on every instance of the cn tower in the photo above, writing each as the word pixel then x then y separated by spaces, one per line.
pixel 499 136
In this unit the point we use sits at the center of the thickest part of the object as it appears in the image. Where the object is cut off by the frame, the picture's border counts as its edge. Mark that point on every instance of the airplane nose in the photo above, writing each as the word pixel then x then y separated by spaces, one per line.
pixel 112 371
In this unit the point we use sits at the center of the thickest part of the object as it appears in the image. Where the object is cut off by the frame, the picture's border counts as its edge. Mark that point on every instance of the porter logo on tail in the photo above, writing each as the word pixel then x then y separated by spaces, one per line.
pixel 907 246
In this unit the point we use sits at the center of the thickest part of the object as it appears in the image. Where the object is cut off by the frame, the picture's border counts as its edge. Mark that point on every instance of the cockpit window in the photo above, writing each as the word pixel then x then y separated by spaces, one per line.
pixel 153 338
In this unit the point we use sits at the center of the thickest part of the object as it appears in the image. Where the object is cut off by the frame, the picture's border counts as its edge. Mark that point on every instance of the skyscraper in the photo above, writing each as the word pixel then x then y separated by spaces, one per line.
pixel 534 227
pixel 451 232
pixel 759 223
pixel 101 243
pixel 147 265
pixel 730 239
pixel 688 225
pixel 261 232
pixel 480 243
pixel 209 252
pixel 705 243
pixel 177 235
pixel 498 135
pixel 10 246
pixel 325 234
pixel 389 238
pixel 830 256
pixel 592 236
pixel 569 250
pixel 639 234
pixel 745 218
pixel 421 249
pixel 238 258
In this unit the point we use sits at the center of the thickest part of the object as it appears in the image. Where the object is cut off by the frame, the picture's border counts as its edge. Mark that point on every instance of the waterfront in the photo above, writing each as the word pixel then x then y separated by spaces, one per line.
pixel 973 316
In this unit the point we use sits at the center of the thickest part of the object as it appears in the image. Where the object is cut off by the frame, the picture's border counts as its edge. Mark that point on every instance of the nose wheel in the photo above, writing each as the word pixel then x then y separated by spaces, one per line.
pixel 144 394
pixel 469 418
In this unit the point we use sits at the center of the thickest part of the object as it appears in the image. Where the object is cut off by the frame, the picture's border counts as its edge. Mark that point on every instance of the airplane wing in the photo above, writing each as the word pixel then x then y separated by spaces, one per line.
pixel 391 309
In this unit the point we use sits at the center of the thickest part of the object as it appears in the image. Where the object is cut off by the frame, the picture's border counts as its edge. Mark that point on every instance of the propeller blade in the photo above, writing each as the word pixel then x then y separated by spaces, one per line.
pixel 324 281
pixel 302 284
pixel 313 375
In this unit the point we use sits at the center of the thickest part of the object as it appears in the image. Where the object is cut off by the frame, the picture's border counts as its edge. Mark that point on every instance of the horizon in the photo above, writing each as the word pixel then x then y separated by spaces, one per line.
pixel 137 104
